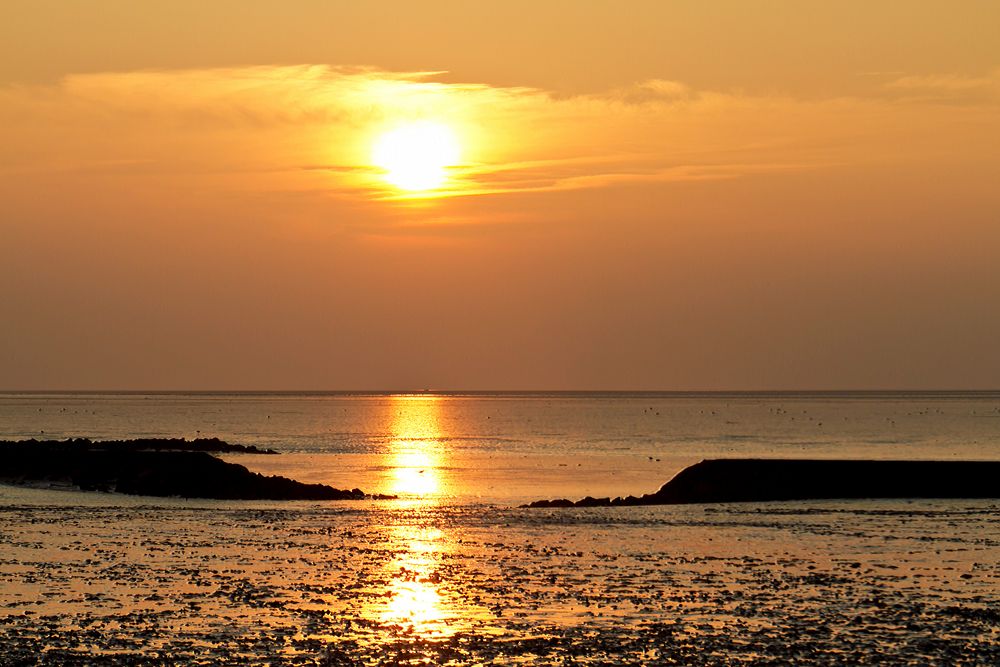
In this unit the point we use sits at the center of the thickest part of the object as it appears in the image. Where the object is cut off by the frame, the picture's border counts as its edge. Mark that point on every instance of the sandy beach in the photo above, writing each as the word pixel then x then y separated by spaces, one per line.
pixel 453 572
pixel 188 583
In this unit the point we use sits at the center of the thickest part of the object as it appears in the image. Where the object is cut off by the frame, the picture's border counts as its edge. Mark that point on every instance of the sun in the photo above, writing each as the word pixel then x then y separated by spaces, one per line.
pixel 416 156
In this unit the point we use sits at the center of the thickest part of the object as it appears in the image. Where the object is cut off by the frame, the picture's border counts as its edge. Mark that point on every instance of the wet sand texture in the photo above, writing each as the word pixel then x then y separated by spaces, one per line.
pixel 854 583
pixel 760 480
pixel 151 468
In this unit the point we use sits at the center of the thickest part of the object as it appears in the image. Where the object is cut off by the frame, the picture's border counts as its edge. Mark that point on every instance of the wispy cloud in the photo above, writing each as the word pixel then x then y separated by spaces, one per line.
pixel 314 125
pixel 949 88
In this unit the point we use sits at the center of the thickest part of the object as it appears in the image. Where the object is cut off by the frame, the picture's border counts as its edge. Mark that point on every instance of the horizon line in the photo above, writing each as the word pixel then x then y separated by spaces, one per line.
pixel 473 392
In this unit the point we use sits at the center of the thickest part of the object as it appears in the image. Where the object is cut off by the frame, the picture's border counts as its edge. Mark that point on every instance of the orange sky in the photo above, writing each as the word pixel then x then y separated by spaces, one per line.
pixel 651 195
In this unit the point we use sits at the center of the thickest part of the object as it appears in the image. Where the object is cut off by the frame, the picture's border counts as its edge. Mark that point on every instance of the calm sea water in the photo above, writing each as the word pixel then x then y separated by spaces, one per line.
pixel 507 448
pixel 453 573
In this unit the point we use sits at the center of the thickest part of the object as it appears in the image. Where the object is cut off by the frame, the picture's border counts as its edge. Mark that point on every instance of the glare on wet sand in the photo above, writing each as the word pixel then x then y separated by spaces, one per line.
pixel 308 585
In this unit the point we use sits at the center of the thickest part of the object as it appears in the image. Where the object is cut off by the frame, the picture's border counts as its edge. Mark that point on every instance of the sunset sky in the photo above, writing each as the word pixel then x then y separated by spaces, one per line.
pixel 643 195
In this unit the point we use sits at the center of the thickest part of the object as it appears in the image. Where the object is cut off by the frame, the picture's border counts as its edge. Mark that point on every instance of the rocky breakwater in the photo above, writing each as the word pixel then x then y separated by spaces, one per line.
pixel 152 467
pixel 761 480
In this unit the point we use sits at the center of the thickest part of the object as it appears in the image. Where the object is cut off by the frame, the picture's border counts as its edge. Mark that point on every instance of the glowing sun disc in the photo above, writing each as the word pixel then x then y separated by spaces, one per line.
pixel 416 156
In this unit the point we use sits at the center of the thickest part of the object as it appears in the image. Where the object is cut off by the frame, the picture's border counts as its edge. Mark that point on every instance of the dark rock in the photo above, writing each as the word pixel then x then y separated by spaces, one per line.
pixel 561 502
pixel 154 471
pixel 593 502
pixel 761 480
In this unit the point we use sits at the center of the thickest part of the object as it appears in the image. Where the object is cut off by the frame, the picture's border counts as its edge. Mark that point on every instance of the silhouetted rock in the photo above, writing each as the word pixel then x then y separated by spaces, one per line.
pixel 760 480
pixel 133 468
pixel 560 502
pixel 593 502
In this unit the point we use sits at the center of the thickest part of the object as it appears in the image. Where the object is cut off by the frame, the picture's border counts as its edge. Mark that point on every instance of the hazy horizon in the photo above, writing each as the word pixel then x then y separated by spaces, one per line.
pixel 527 392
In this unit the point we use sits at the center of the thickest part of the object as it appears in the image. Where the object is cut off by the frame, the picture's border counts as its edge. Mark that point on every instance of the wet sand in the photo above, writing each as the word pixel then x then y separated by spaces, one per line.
pixel 850 582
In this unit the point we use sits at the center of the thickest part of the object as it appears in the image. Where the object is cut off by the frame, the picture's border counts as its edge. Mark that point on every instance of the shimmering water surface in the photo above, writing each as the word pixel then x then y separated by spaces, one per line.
pixel 507 448
pixel 453 572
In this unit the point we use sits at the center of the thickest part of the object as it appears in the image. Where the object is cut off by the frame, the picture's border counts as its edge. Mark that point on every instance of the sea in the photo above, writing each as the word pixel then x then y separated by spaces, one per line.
pixel 454 571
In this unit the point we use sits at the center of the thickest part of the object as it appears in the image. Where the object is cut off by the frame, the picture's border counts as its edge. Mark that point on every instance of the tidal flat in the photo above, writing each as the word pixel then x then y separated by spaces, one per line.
pixel 453 573
pixel 383 583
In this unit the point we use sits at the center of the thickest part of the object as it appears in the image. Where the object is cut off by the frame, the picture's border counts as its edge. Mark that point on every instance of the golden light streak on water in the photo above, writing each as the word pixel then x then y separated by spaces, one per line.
pixel 416 455
pixel 415 600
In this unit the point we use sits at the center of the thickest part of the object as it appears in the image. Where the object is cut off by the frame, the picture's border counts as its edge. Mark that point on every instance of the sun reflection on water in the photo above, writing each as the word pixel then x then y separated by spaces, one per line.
pixel 414 602
pixel 415 453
